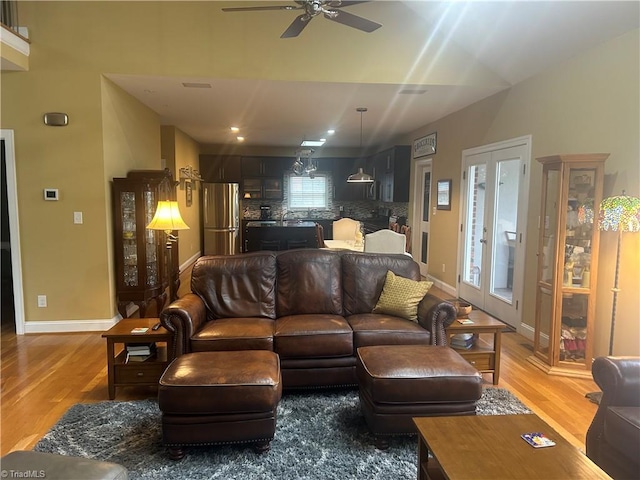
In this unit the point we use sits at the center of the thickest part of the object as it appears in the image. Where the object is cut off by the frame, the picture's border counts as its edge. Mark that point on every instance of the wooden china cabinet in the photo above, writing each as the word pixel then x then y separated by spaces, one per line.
pixel 567 263
pixel 140 254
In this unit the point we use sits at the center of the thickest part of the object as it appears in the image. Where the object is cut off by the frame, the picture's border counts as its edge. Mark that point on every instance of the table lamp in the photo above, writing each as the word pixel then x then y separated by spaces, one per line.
pixel 168 218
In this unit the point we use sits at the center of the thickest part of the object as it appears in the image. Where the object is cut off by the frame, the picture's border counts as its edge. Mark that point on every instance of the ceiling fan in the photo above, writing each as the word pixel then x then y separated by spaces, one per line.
pixel 313 8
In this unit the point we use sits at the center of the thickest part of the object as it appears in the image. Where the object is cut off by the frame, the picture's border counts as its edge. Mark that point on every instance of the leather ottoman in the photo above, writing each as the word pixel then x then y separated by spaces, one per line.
pixel 399 382
pixel 210 398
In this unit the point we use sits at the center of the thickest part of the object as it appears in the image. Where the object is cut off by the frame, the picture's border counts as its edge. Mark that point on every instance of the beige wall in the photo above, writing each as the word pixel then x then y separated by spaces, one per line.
pixel 590 104
pixel 180 150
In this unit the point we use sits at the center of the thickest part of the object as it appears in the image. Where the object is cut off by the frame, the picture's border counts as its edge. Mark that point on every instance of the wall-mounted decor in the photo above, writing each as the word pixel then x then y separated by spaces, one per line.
pixel 189 192
pixel 424 146
pixel 444 195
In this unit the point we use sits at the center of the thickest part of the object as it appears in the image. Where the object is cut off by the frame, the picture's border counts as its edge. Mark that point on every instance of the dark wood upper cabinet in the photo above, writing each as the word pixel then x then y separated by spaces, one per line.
pixel 265 166
pixel 221 168
pixel 392 170
pixel 344 191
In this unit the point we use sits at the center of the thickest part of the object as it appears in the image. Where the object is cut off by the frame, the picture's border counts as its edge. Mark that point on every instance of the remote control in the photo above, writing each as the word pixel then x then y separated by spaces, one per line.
pixel 156 326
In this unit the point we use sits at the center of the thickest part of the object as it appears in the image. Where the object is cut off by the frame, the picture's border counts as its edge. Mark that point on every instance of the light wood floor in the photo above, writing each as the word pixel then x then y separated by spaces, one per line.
pixel 43 375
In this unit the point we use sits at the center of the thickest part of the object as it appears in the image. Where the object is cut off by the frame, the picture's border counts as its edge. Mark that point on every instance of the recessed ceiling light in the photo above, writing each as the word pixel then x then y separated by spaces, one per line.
pixel 240 139
pixel 196 85
pixel 312 143
pixel 331 132
pixel 235 129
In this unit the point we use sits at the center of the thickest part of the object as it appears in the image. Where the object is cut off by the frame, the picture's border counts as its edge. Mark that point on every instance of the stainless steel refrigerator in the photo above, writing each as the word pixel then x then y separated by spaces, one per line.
pixel 221 218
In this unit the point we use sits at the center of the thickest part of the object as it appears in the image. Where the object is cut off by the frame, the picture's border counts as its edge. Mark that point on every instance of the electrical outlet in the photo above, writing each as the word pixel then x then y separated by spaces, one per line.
pixel 77 217
pixel 443 269
pixel 42 301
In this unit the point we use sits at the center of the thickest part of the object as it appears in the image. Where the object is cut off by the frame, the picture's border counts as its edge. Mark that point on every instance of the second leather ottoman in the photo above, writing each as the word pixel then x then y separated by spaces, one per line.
pixel 209 398
pixel 399 382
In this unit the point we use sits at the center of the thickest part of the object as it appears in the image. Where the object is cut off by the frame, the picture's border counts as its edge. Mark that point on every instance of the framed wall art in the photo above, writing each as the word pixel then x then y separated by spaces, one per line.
pixel 443 201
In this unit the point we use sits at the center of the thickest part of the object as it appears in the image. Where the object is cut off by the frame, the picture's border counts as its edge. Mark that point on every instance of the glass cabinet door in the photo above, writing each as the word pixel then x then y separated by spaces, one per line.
pixel 129 240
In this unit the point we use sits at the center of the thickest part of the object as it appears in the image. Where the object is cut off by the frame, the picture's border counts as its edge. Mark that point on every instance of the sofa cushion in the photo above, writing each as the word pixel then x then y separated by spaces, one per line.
pixel 381 329
pixel 234 334
pixel 309 282
pixel 318 335
pixel 620 425
pixel 237 286
pixel 401 296
pixel 364 274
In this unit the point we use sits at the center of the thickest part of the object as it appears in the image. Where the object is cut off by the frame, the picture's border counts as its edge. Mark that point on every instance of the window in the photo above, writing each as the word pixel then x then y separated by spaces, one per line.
pixel 307 192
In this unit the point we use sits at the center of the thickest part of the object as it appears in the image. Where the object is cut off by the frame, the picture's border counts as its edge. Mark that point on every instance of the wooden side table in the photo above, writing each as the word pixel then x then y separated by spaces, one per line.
pixel 483 355
pixel 122 373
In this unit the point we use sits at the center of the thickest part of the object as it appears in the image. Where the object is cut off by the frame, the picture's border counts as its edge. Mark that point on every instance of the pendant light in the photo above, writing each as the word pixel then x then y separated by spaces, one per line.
pixel 360 176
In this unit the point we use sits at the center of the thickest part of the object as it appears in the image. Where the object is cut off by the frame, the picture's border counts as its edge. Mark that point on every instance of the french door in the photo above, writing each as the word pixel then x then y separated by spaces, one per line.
pixel 495 185
pixel 422 215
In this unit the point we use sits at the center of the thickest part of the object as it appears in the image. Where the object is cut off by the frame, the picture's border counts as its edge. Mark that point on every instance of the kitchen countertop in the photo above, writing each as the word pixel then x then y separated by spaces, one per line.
pixel 276 223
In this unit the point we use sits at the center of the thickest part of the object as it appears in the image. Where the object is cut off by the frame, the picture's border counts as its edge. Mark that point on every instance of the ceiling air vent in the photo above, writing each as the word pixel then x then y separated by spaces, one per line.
pixel 196 85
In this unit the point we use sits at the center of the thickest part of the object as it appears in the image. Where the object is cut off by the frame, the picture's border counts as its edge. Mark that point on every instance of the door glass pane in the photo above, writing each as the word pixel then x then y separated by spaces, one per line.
pixel 427 191
pixel 505 226
pixel 151 247
pixel 579 228
pixel 474 239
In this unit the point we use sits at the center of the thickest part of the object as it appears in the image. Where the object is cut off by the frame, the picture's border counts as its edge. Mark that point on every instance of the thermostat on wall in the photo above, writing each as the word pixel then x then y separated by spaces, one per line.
pixel 51 194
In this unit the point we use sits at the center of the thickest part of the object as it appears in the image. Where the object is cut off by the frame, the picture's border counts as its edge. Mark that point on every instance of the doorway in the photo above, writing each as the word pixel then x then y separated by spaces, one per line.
pixel 495 189
pixel 422 216
pixel 11 249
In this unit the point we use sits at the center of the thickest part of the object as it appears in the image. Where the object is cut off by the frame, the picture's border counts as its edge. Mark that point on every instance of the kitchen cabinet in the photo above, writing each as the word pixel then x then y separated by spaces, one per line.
pixel 391 168
pixel 342 190
pixel 567 263
pixel 221 168
pixel 265 166
pixel 262 188
pixel 140 254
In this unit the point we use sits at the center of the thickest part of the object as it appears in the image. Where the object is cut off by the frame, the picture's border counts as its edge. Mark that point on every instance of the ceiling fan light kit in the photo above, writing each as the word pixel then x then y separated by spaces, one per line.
pixel 312 8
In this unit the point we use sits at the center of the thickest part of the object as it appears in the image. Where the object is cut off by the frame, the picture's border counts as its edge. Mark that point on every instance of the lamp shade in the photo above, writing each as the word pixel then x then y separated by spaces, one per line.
pixel 167 217
pixel 620 213
pixel 360 177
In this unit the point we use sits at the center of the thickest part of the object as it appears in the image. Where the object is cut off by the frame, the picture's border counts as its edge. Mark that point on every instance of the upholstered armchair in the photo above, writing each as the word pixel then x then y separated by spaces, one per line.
pixel 613 439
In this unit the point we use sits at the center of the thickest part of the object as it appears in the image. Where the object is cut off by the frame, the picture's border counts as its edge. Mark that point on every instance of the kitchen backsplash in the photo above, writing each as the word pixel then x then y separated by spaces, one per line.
pixel 361 209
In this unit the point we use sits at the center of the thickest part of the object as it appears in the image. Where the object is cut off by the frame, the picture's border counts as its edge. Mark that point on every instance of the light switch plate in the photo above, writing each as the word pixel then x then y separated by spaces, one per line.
pixel 77 217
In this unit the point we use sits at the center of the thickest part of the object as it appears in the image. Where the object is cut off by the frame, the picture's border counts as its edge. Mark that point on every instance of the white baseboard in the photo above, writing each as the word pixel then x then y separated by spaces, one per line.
pixel 69 326
pixel 190 261
pixel 527 331
pixel 445 287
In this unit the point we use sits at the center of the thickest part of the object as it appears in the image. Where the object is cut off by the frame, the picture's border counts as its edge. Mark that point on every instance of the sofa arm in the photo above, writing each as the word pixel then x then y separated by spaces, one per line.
pixel 435 315
pixel 619 380
pixel 184 317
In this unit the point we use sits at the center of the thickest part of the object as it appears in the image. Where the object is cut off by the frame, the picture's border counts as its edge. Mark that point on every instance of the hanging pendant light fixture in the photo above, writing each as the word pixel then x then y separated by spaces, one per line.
pixel 360 176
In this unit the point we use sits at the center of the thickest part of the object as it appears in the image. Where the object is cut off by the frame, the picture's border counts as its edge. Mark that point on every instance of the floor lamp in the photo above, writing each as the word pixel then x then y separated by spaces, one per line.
pixel 167 218
pixel 619 214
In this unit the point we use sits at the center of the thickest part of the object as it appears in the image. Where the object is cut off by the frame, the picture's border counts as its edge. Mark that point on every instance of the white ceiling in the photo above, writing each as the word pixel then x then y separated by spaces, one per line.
pixel 515 40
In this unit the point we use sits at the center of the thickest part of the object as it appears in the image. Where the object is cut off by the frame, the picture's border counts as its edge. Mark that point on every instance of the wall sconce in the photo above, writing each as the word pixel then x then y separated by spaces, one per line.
pixel 189 173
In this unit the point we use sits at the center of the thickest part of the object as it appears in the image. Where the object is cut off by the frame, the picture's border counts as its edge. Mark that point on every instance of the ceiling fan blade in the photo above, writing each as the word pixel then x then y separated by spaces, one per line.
pixel 340 3
pixel 354 21
pixel 250 9
pixel 296 26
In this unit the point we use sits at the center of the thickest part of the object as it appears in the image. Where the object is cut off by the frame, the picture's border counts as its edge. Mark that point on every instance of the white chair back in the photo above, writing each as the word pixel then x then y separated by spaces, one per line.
pixel 345 229
pixel 385 241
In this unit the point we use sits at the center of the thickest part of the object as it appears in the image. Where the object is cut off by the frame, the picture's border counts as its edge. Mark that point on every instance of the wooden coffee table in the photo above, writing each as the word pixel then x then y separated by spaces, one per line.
pixel 489 446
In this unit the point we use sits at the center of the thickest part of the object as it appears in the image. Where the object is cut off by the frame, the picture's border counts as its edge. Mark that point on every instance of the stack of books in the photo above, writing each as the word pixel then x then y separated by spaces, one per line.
pixel 139 352
pixel 462 340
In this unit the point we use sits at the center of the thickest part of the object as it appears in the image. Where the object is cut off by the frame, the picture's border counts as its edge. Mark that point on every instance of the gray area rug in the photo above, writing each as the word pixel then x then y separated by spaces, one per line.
pixel 320 435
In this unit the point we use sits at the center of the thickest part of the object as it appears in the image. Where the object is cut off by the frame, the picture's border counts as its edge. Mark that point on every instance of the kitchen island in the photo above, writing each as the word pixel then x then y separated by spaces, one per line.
pixel 276 235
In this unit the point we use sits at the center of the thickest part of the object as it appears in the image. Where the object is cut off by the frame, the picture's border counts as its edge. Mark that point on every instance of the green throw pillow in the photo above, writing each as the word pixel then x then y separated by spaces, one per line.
pixel 400 297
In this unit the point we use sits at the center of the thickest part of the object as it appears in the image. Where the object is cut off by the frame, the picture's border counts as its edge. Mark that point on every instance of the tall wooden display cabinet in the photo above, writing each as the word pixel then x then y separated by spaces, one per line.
pixel 567 263
pixel 142 273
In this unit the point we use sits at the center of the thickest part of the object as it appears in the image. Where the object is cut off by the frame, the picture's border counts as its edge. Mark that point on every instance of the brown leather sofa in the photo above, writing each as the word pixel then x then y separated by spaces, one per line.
pixel 613 439
pixel 311 306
